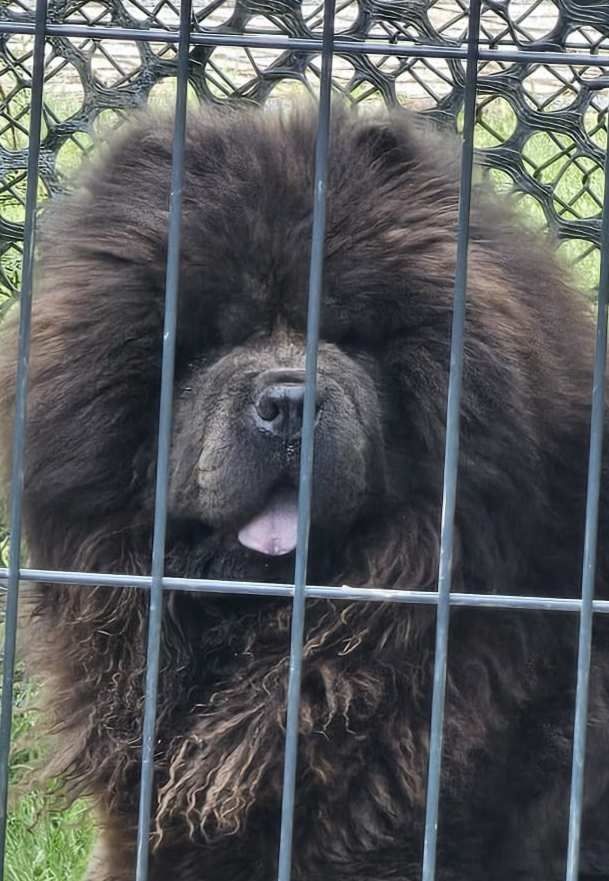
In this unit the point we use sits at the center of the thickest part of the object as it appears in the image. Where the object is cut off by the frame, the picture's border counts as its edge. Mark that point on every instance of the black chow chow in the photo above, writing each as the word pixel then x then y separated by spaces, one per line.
pixel 383 371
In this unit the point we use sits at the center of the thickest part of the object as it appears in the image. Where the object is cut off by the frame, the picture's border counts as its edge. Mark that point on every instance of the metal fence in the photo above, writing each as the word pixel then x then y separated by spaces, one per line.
pixel 508 51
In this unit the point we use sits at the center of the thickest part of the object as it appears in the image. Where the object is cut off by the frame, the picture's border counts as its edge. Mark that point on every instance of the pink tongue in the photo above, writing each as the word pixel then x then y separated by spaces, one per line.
pixel 273 531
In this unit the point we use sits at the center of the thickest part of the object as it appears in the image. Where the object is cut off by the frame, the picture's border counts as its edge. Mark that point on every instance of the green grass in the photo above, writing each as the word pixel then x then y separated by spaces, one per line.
pixel 47 848
pixel 44 845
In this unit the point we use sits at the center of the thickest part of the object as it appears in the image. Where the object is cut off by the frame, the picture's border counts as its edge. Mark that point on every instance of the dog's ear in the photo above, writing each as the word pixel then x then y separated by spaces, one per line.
pixel 404 143
pixel 392 142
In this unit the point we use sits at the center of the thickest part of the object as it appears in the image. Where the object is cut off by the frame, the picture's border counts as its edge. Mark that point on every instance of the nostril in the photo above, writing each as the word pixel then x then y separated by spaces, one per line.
pixel 267 407
pixel 278 408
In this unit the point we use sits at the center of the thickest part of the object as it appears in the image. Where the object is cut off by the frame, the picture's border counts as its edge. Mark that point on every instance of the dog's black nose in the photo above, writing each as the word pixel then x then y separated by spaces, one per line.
pixel 279 404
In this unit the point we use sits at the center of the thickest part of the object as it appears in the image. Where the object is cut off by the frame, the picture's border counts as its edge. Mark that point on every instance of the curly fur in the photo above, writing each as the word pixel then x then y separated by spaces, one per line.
pixel 384 361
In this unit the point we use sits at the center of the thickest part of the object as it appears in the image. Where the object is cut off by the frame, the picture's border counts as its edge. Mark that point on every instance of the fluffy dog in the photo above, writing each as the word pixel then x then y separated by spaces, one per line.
pixel 380 431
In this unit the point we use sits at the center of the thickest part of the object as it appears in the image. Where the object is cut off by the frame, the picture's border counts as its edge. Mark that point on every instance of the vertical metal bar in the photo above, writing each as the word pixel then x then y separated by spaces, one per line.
pixel 164 447
pixel 307 447
pixel 451 457
pixel 18 449
pixel 595 464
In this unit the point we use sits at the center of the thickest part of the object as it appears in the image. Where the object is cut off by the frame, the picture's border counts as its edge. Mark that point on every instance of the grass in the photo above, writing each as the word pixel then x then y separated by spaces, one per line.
pixel 47 848
pixel 43 845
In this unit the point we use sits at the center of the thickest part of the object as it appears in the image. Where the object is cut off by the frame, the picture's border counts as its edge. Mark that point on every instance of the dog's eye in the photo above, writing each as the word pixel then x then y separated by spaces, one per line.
pixel 362 340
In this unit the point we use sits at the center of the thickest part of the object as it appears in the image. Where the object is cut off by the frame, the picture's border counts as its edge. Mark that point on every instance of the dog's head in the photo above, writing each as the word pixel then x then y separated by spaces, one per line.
pixel 383 359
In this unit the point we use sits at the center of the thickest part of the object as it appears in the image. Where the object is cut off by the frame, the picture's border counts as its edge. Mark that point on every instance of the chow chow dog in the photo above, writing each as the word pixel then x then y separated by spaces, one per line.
pixel 383 369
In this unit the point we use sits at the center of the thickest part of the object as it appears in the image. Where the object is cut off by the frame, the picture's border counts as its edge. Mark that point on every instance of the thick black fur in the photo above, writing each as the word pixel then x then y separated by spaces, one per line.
pixel 383 373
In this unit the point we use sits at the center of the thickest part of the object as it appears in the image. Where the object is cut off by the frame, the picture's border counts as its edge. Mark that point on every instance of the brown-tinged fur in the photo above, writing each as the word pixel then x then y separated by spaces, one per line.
pixel 383 370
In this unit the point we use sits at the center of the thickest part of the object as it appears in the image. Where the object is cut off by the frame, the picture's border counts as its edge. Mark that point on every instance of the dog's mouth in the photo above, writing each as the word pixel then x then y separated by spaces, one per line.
pixel 272 531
